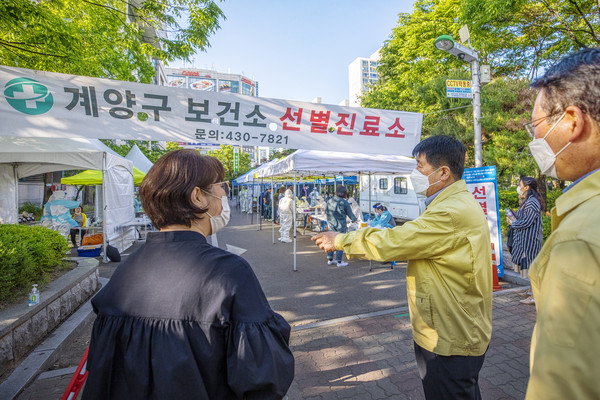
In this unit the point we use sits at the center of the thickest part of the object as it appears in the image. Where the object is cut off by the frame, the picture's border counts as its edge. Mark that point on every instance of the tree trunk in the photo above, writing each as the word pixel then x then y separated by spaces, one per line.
pixel 88 195
pixel 48 177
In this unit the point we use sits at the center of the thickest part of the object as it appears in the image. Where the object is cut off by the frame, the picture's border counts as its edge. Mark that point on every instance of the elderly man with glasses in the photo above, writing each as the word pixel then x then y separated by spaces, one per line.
pixel 565 276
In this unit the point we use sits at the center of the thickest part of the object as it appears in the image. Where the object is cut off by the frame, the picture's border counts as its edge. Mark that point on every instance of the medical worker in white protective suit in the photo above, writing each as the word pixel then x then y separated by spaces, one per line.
pixel 314 197
pixel 249 200
pixel 243 201
pixel 286 212
pixel 356 209
pixel 56 213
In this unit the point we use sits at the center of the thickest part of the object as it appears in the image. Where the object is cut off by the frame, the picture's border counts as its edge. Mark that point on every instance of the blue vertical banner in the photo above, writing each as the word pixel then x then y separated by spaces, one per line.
pixel 483 185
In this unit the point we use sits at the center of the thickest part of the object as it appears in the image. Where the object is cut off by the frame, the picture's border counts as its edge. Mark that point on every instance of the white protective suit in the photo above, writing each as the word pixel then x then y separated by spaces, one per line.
pixel 355 209
pixel 243 200
pixel 249 200
pixel 56 213
pixel 286 215
pixel 314 197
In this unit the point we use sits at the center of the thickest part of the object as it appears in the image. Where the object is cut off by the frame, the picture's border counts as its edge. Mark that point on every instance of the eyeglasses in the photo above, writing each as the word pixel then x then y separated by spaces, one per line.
pixel 224 186
pixel 530 126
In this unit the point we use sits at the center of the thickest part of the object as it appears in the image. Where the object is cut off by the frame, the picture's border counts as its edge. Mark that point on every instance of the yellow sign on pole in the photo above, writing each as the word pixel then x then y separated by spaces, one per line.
pixel 457 88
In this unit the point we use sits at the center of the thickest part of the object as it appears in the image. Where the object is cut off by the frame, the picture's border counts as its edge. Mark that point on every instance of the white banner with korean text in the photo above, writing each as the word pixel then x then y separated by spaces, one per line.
pixel 46 104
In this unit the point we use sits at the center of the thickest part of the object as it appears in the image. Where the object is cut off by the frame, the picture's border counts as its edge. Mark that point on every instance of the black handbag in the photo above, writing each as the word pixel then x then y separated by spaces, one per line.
pixel 510 238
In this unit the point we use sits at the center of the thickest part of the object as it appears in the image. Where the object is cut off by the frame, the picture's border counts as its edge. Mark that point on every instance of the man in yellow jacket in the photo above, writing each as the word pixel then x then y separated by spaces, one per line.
pixel 449 275
pixel 565 276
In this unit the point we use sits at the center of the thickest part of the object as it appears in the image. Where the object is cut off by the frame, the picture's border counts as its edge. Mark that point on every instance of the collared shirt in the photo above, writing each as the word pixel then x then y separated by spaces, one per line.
pixel 429 199
pixel 579 180
pixel 565 280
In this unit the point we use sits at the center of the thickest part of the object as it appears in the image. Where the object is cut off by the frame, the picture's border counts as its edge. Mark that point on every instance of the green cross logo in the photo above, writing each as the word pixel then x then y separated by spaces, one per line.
pixel 28 96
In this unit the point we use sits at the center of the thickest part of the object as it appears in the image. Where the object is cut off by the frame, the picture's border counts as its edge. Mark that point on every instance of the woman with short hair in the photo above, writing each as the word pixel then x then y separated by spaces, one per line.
pixel 181 319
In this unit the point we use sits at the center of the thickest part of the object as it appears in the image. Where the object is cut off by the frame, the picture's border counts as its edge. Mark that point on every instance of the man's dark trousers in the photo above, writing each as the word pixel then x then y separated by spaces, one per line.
pixel 449 377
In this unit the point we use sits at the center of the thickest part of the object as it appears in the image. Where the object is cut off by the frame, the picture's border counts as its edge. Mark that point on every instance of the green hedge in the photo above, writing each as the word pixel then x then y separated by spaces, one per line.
pixel 27 255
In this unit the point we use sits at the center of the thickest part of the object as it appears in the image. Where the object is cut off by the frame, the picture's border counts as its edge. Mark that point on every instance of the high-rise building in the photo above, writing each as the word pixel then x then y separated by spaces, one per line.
pixel 214 81
pixel 211 81
pixel 362 73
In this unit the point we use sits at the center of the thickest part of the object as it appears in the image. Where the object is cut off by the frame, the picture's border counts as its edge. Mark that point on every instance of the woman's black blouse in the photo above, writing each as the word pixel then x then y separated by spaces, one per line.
pixel 181 319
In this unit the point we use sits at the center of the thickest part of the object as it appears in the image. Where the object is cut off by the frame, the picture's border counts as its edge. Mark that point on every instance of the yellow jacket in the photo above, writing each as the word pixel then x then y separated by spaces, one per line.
pixel 449 275
pixel 565 279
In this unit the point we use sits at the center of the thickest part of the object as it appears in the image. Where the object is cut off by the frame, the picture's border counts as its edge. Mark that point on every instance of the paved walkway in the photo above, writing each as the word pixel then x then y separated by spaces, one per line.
pixel 373 358
pixel 351 333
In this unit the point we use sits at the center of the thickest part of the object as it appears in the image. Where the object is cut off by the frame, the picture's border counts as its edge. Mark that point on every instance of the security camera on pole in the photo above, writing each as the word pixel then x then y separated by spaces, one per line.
pixel 446 43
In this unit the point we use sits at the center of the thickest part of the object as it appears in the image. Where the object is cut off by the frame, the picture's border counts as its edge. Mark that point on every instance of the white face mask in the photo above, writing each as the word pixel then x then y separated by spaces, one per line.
pixel 218 222
pixel 543 154
pixel 420 181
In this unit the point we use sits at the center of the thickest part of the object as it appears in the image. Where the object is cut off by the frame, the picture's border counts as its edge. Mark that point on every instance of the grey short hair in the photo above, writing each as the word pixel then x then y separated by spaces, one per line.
pixel 575 80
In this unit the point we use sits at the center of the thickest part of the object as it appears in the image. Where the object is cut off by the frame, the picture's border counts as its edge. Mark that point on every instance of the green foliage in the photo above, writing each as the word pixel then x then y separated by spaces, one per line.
pixel 551 197
pixel 112 38
pixel 27 255
pixel 508 199
pixel 32 209
pixel 153 154
pixel 516 37
pixel 225 155
pixel 546 226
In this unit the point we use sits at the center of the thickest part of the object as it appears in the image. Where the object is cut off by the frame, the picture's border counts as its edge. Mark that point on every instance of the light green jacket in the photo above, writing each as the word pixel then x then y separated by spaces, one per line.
pixel 565 279
pixel 449 275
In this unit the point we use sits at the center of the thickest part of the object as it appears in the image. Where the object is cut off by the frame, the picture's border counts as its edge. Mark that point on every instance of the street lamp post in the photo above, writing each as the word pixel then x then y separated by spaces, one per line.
pixel 446 43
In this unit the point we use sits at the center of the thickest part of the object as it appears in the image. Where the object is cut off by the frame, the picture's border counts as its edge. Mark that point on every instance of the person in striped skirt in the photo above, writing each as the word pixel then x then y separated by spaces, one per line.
pixel 527 228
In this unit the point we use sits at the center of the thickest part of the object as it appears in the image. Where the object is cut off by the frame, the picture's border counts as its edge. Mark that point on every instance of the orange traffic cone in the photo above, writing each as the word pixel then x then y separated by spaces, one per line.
pixel 495 284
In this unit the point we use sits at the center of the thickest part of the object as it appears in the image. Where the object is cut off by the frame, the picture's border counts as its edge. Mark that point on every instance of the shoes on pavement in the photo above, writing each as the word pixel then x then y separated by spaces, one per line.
pixel 530 300
pixel 286 240
pixel 342 264
pixel 525 294
pixel 331 262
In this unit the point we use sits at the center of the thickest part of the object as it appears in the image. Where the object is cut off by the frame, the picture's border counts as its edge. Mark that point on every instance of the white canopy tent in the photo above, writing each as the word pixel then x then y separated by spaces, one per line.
pixel 314 162
pixel 22 156
pixel 139 160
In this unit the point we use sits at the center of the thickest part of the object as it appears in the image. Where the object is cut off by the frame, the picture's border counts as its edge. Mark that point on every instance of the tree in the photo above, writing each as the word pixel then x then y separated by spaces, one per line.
pixel 153 154
pixel 517 37
pixel 103 38
pixel 225 155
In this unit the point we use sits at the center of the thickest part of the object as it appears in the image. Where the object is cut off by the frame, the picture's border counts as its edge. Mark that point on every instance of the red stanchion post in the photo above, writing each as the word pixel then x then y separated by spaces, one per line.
pixel 78 379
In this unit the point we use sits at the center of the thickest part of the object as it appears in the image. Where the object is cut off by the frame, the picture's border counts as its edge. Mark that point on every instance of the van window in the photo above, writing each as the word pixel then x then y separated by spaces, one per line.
pixel 383 183
pixel 400 185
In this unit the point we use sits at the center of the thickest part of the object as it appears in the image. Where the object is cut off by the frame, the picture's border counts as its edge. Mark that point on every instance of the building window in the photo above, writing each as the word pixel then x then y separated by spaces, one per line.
pixel 383 183
pixel 400 186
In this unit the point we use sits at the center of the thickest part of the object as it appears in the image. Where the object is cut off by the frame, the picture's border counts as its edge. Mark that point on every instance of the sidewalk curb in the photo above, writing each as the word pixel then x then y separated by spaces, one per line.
pixel 45 354
pixel 513 277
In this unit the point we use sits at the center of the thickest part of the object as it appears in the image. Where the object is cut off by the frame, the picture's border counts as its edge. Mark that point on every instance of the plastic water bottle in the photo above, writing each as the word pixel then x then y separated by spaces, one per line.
pixel 34 296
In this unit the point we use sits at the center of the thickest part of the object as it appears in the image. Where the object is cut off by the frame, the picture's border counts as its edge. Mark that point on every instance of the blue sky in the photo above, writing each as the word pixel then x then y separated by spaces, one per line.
pixel 299 50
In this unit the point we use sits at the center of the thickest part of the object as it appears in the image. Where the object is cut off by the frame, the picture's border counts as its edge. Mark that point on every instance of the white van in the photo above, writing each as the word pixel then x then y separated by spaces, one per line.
pixel 393 191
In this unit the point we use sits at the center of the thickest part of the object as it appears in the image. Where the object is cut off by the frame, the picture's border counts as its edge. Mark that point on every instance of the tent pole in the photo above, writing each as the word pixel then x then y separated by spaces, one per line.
pixel 260 215
pixel 272 210
pixel 369 195
pixel 294 221
pixel 16 183
pixel 252 203
pixel 104 258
